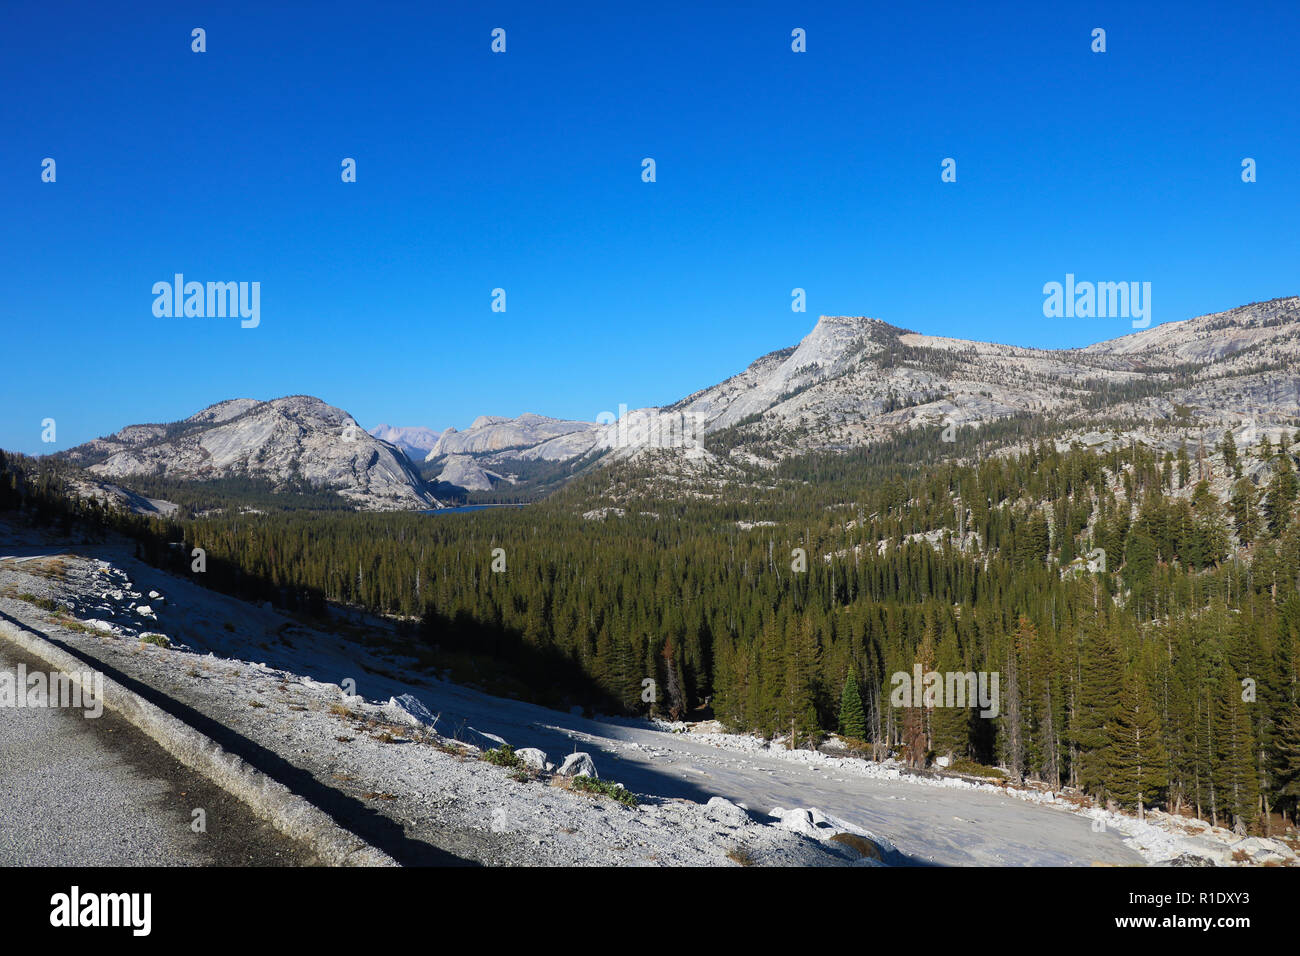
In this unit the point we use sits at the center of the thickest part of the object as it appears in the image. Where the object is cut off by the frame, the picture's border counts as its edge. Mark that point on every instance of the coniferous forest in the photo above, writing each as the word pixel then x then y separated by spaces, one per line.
pixel 1145 630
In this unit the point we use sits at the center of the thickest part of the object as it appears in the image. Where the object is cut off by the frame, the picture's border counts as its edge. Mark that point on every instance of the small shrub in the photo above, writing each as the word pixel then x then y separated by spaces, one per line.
pixel 44 603
pixel 503 756
pixel 741 856
pixel 158 640
pixel 616 791
pixel 970 767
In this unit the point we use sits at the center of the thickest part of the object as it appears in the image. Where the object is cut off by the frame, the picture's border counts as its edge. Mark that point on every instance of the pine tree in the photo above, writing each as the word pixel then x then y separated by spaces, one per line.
pixel 1101 676
pixel 1288 757
pixel 1281 496
pixel 1136 775
pixel 853 719
pixel 1235 779
pixel 1229 448
pixel 1245 510
pixel 950 725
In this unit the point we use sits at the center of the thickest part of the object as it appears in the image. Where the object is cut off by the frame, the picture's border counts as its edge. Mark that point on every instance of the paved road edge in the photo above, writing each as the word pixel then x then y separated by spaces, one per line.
pixel 271 800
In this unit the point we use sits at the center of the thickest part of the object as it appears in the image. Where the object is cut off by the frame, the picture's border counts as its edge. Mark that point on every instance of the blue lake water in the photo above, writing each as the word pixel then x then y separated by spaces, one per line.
pixel 461 509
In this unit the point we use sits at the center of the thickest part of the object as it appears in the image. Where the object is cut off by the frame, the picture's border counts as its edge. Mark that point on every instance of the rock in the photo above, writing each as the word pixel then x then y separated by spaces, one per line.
pixel 1187 859
pixel 797 821
pixel 144 610
pixel 866 849
pixel 578 765
pixel 723 811
pixel 535 759
pixel 463 472
pixel 944 761
pixel 408 709
pixel 491 433
pixel 1261 850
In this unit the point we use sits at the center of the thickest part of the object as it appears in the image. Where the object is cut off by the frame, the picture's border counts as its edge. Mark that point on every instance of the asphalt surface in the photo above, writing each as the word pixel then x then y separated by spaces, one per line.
pixel 95 791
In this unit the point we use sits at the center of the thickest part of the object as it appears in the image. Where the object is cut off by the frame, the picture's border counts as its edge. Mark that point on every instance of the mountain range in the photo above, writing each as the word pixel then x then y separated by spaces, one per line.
pixel 850 382
pixel 416 442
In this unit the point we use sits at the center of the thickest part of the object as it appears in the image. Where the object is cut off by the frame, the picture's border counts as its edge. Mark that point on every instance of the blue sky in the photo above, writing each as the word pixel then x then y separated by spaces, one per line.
pixel 522 170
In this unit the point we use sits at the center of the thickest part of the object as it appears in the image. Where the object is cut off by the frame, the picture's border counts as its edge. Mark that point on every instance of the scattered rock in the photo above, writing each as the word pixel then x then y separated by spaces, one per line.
pixel 1261 850
pixel 535 759
pixel 723 811
pixel 578 765
pixel 866 849
pixel 797 821
pixel 408 709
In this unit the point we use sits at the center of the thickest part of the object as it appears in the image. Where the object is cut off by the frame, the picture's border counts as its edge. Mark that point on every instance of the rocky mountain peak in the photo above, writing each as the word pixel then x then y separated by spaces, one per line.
pixel 295 439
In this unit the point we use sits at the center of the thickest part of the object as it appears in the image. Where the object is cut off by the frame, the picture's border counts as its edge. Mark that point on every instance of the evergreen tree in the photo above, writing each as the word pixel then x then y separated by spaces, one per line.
pixel 1281 496
pixel 853 719
pixel 1235 780
pixel 1136 775
pixel 1288 757
pixel 1101 676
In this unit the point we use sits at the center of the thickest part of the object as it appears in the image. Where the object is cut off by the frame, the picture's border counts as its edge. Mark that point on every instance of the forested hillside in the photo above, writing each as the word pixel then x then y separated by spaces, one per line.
pixel 1165 671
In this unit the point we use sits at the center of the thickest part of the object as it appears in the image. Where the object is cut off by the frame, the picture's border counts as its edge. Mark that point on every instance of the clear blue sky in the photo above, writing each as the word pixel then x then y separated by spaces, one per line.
pixel 523 171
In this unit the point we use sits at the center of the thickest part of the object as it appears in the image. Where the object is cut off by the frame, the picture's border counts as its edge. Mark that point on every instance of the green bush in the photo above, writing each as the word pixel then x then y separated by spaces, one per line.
pixel 503 756
pixel 615 791
pixel 44 603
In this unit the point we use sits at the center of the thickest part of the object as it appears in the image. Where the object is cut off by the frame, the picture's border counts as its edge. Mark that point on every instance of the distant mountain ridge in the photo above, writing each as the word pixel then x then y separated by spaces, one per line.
pixel 854 380
pixel 415 441
pixel 283 441
pixel 851 381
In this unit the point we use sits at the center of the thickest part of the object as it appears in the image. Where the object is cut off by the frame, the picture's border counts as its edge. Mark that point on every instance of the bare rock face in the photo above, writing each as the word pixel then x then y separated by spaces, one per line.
pixel 287 442
pixel 461 471
pixel 490 433
pixel 855 380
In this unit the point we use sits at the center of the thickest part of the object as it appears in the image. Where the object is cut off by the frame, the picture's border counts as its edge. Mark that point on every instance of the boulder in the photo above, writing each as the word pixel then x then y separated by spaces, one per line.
pixel 797 821
pixel 1261 850
pixel 409 710
pixel 535 759
pixel 578 765
pixel 725 812
pixel 866 849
